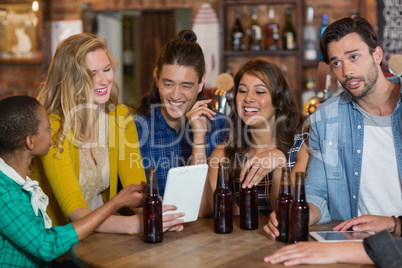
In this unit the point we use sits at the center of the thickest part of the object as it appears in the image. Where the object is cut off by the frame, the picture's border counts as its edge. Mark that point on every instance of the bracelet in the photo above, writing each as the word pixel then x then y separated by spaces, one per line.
pixel 198 144
pixel 395 224
pixel 400 218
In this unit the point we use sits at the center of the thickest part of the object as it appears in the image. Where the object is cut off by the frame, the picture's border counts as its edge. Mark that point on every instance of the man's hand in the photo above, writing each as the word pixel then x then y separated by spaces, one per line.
pixel 319 253
pixel 367 223
pixel 197 116
pixel 171 222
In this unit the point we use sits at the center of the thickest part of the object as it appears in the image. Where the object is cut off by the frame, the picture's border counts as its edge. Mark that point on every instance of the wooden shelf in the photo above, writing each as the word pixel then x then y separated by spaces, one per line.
pixel 298 8
pixel 248 53
pixel 258 2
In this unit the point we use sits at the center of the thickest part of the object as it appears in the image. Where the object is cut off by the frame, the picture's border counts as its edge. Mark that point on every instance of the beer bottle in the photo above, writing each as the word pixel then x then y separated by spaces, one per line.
pixel 282 205
pixel 152 210
pixel 248 208
pixel 289 34
pixel 223 216
pixel 254 32
pixel 271 32
pixel 299 213
pixel 237 33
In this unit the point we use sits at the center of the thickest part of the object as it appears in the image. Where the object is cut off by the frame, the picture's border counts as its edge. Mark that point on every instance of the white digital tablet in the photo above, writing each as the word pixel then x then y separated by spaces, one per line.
pixel 340 236
pixel 184 188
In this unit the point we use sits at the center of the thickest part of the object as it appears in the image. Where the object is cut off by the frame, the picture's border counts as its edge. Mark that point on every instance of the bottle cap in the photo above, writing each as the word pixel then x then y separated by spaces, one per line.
pixel 325 19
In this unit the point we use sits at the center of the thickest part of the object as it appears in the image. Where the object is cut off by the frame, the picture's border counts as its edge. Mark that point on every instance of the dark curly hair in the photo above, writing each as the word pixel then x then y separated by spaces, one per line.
pixel 183 50
pixel 19 118
pixel 345 26
pixel 288 117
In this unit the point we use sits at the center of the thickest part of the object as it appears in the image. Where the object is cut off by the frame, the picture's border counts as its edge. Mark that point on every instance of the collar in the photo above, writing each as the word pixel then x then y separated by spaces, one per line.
pixel 39 201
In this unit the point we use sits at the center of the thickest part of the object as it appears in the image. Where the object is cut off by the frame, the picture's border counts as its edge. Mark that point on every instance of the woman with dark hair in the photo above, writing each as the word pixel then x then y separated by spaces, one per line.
pixel 175 126
pixel 268 126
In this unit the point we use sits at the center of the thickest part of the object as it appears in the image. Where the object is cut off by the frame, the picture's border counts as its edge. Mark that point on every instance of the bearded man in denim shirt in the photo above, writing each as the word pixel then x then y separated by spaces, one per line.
pixel 354 172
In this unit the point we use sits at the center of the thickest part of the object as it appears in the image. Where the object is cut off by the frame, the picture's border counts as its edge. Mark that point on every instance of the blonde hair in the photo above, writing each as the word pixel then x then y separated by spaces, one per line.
pixel 69 83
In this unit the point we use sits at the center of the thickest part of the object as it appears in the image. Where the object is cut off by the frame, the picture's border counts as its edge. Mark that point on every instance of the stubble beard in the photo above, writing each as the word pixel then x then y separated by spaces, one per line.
pixel 369 81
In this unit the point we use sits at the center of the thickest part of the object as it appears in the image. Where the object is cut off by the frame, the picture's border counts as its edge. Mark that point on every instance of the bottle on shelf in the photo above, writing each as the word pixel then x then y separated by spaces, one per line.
pixel 271 32
pixel 308 94
pixel 238 33
pixel 289 34
pixel 299 213
pixel 283 202
pixel 223 214
pixel 152 210
pixel 248 208
pixel 128 51
pixel 309 36
pixel 255 33
pixel 324 25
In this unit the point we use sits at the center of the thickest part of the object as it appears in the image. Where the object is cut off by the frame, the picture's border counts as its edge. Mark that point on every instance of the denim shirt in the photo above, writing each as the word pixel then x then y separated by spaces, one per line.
pixel 336 144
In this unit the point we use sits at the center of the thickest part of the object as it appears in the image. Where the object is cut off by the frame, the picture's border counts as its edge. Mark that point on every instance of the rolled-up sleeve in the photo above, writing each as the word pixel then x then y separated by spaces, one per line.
pixel 316 184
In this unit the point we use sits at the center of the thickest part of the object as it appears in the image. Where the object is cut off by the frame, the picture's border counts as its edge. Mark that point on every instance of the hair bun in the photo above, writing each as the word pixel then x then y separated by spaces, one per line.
pixel 187 35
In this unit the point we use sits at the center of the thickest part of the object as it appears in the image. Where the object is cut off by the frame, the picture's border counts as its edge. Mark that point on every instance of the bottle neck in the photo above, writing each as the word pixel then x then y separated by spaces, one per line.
pixel 288 17
pixel 310 15
pixel 300 191
pixel 223 179
pixel 271 15
pixel 285 186
pixel 152 184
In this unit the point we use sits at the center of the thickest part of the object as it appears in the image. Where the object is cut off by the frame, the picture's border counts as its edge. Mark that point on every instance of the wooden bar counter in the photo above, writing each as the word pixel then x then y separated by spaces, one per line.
pixel 196 246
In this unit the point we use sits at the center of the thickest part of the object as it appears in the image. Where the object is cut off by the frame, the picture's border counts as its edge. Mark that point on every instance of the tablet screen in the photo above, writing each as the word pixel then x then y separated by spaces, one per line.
pixel 184 189
pixel 340 235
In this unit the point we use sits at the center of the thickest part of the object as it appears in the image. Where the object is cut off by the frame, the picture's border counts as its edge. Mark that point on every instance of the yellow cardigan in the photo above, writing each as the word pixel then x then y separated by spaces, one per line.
pixel 59 177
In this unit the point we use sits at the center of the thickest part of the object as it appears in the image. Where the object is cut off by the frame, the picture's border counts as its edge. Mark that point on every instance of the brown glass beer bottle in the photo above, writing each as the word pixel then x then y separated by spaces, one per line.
pixel 283 204
pixel 248 208
pixel 152 210
pixel 299 213
pixel 223 214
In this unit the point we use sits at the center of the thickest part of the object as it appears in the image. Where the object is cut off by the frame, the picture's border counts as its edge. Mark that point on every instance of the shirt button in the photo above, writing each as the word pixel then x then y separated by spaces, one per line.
pixel 330 143
pixel 359 127
pixel 354 197
pixel 356 173
pixel 358 151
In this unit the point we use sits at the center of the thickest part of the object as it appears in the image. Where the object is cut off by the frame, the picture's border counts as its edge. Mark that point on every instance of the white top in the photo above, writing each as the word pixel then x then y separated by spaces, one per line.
pixel 94 176
pixel 380 187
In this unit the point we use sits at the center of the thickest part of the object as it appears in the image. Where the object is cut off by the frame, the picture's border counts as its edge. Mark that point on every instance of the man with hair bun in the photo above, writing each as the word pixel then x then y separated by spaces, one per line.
pixel 175 126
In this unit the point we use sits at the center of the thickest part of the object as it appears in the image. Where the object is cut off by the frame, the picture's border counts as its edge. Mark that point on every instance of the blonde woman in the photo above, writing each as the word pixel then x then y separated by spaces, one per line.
pixel 94 137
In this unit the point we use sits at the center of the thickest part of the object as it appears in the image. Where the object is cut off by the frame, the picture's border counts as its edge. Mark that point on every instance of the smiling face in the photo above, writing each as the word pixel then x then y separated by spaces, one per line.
pixel 103 75
pixel 353 64
pixel 254 102
pixel 178 90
